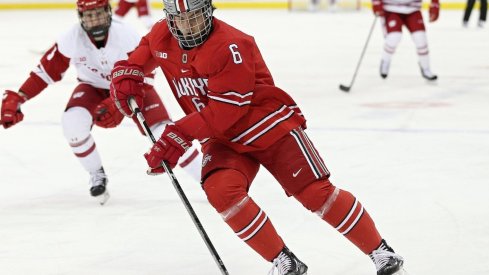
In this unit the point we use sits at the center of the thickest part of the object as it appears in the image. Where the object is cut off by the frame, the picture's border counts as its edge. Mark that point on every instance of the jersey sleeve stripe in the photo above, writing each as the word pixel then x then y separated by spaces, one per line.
pixel 232 97
pixel 263 126
pixel 238 94
pixel 256 125
pixel 269 128
pixel 41 72
pixel 228 101
pixel 296 109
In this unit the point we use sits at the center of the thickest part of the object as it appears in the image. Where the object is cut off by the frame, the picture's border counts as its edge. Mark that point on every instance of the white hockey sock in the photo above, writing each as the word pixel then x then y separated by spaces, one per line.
pixel 76 123
pixel 421 42
pixel 91 160
pixel 390 44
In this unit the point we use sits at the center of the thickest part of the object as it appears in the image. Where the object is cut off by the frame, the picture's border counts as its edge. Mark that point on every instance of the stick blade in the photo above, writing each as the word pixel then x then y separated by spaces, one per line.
pixel 344 88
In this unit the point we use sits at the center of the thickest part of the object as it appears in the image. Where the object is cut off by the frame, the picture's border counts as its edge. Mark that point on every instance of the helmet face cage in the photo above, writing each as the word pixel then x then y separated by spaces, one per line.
pixel 95 17
pixel 189 21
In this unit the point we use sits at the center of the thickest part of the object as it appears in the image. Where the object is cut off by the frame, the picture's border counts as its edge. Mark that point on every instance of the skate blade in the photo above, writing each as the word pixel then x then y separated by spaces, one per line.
pixel 103 198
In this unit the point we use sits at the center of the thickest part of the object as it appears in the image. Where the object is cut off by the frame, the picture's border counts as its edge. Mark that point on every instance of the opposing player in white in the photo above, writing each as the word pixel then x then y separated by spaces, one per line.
pixel 396 13
pixel 92 47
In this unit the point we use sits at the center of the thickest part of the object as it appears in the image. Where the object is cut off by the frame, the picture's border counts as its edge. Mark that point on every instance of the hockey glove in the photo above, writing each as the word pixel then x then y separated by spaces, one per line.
pixel 169 148
pixel 127 82
pixel 378 7
pixel 106 114
pixel 434 10
pixel 10 112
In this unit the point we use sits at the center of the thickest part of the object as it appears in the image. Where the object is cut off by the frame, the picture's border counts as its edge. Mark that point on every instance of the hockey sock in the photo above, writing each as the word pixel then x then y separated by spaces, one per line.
pixel 226 191
pixel 347 215
pixel 123 8
pixel 390 44
pixel 253 226
pixel 87 154
pixel 76 123
pixel 421 42
pixel 343 211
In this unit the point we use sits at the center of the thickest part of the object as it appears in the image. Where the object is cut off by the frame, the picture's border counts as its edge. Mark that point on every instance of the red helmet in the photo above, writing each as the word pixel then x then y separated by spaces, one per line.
pixel 98 27
pixel 84 5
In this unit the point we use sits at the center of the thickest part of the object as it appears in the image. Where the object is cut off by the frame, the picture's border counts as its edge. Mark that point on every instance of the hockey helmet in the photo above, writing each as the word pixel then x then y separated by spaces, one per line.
pixel 190 21
pixel 95 17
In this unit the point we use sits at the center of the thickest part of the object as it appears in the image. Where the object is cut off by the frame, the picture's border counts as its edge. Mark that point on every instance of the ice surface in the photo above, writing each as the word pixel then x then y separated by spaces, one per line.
pixel 416 155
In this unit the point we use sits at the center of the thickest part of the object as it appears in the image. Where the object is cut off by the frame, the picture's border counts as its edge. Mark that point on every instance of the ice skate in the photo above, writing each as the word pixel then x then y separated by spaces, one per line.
pixel 384 68
pixel 427 74
pixel 98 186
pixel 481 24
pixel 287 263
pixel 386 261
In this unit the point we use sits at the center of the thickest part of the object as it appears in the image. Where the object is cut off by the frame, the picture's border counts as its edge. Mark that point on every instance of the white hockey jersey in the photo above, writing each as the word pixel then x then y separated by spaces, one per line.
pixel 93 65
pixel 402 6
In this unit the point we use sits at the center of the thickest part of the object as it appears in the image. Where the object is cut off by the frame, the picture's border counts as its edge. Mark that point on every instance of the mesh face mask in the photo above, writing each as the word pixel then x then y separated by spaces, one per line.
pixel 96 22
pixel 189 21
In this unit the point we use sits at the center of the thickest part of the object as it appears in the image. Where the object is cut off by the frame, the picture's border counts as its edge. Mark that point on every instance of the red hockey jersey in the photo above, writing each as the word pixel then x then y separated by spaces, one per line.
pixel 223 85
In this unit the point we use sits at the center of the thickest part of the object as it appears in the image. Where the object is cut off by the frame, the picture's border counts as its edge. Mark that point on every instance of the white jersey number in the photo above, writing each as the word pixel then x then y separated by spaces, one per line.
pixel 236 55
pixel 198 105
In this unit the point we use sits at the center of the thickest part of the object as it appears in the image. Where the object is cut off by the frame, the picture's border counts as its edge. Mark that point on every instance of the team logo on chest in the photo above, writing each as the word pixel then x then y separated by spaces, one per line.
pixel 206 159
pixel 184 58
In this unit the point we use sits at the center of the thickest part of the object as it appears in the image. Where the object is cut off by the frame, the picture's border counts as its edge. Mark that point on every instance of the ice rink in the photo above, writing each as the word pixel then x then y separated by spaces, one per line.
pixel 416 154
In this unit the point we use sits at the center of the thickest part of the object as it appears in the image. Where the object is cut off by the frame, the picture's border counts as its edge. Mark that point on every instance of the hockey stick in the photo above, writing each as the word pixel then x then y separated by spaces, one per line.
pixel 178 188
pixel 347 88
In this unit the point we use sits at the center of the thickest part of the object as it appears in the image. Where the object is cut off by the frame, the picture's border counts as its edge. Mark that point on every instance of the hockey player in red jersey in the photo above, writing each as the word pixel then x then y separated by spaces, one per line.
pixel 92 47
pixel 142 9
pixel 242 120
pixel 397 13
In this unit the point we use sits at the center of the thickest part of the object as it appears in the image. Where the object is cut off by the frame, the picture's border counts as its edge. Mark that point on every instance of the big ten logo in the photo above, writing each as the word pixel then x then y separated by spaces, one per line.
pixel 162 55
pixel 190 86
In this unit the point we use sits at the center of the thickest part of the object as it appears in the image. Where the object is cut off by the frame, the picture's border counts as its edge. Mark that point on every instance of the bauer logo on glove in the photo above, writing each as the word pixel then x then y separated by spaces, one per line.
pixel 134 72
pixel 179 140
pixel 169 148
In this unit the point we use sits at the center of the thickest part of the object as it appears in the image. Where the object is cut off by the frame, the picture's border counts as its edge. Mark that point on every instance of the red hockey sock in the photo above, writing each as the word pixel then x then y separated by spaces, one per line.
pixel 254 227
pixel 347 215
pixel 123 8
pixel 342 211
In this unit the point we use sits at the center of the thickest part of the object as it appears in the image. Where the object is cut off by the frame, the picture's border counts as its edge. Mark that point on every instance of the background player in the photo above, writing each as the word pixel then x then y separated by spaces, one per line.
pixel 91 47
pixel 482 13
pixel 243 120
pixel 397 13
pixel 142 8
